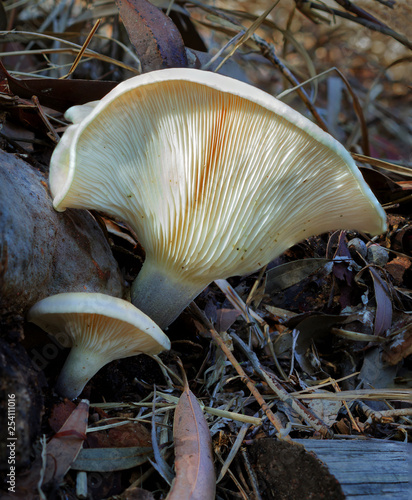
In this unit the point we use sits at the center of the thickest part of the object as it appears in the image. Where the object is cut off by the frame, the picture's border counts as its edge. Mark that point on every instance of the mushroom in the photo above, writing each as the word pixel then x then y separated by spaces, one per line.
pixel 216 178
pixel 99 329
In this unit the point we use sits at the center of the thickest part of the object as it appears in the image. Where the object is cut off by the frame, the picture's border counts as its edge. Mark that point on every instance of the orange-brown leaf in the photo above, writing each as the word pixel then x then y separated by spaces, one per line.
pixel 195 473
pixel 64 447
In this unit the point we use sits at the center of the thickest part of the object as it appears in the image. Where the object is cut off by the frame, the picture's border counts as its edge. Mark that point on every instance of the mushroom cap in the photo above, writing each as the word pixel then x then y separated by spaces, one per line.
pixel 216 177
pixel 99 329
pixel 99 323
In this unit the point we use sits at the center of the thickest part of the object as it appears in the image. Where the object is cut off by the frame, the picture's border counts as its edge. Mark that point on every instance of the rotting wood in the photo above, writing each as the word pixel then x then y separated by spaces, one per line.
pixel 367 469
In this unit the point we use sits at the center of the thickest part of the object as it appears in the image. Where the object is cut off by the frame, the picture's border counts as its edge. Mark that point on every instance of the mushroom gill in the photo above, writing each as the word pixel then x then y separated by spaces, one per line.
pixel 216 178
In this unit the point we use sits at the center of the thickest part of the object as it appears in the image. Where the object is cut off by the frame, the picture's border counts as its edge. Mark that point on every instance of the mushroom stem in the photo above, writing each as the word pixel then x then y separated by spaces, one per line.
pixel 78 369
pixel 161 295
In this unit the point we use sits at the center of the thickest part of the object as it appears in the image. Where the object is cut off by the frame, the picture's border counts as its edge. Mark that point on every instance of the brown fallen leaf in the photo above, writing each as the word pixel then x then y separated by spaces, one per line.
pixel 155 37
pixel 132 434
pixel 397 268
pixel 400 347
pixel 60 413
pixel 64 447
pixel 195 474
pixel 60 452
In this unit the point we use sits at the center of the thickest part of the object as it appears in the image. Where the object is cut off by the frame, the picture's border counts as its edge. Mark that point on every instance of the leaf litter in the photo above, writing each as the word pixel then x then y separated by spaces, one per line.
pixel 318 345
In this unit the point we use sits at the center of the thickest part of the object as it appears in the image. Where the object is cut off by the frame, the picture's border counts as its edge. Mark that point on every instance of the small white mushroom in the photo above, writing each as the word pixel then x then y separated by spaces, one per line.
pixel 216 177
pixel 99 329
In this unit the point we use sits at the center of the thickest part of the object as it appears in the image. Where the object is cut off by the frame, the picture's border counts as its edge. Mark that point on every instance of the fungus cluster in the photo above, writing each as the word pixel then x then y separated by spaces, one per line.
pixel 216 178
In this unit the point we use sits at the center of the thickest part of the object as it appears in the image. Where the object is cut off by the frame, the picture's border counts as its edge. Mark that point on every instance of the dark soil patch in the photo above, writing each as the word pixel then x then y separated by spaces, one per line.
pixel 288 472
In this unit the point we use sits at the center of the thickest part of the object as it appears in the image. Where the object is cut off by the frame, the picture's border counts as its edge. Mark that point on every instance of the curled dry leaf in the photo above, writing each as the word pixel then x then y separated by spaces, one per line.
pixel 155 37
pixel 195 474
pixel 383 318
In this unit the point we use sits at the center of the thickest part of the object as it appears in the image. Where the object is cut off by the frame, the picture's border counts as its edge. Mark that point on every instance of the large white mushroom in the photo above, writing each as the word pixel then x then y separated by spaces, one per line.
pixel 99 329
pixel 216 177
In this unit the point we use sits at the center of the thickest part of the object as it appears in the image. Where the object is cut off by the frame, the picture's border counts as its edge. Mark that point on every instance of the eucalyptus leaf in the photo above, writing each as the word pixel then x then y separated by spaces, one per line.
pixel 111 459
pixel 286 275
pixel 311 328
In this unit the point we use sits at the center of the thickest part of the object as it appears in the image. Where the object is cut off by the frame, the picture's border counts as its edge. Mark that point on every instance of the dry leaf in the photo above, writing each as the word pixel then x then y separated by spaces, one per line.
pixel 156 39
pixel 400 347
pixel 125 436
pixel 60 413
pixel 61 451
pixel 195 474
pixel 383 318
pixel 55 93
pixel 397 268
pixel 325 410
pixel 286 275
pixel 64 447
pixel 111 459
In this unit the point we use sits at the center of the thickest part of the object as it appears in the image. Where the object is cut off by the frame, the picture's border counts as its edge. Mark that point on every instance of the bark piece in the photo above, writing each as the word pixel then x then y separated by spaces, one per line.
pixel 43 252
pixel 366 468
pixel 21 405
